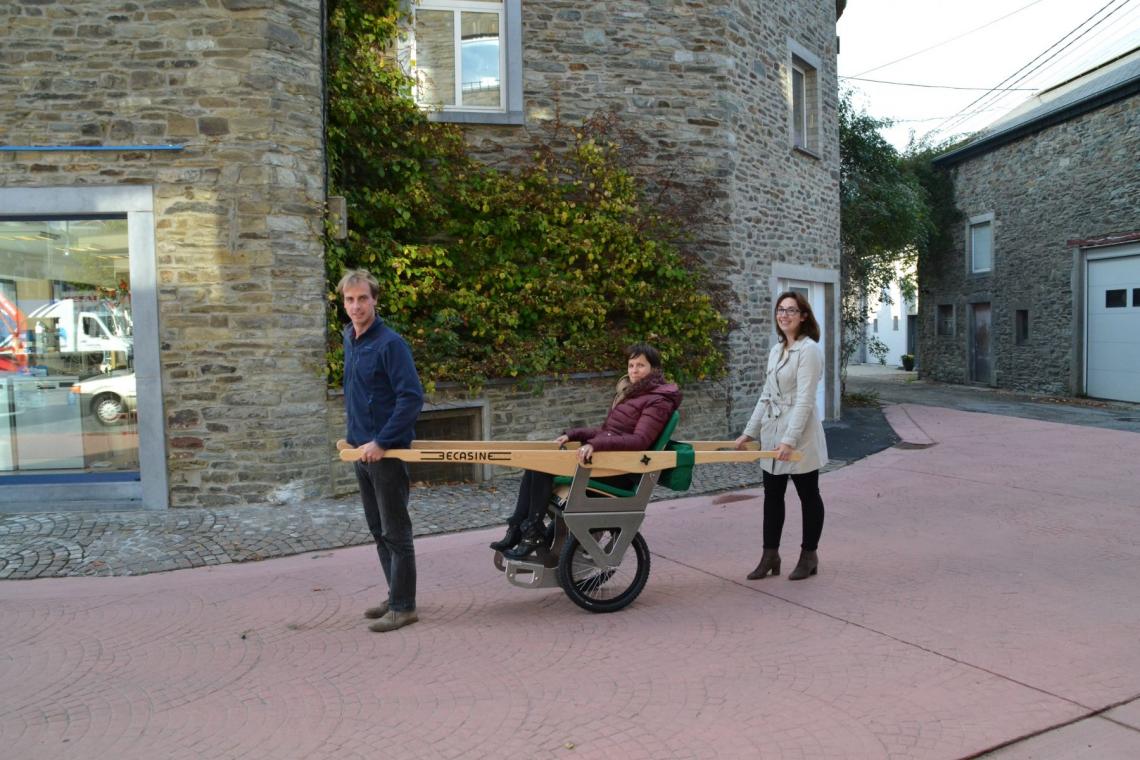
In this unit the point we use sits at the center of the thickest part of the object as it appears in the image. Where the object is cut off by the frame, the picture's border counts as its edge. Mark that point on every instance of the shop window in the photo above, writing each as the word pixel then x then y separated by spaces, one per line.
pixel 66 364
pixel 75 426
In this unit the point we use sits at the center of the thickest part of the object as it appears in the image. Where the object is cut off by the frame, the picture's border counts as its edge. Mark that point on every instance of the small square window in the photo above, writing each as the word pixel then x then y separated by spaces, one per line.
pixel 1021 327
pixel 946 319
pixel 1115 299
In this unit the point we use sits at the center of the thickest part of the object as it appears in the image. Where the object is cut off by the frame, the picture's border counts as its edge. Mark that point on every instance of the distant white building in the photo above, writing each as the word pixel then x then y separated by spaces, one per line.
pixel 892 319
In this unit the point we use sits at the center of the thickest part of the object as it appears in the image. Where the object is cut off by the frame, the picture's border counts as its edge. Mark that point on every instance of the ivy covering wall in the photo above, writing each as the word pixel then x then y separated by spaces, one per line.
pixel 549 268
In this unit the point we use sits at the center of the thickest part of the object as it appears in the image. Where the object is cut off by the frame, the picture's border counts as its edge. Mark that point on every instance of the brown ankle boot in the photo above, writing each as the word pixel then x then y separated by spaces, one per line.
pixel 769 562
pixel 808 565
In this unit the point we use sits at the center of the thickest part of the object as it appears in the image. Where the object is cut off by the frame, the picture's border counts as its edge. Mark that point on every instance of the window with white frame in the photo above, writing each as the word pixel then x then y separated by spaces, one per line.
pixel 804 97
pixel 980 242
pixel 466 58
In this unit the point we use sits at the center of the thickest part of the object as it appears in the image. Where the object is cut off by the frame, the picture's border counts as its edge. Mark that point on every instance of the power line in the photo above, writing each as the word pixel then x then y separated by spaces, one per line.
pixel 946 42
pixel 936 86
pixel 916 121
pixel 966 113
pixel 1109 37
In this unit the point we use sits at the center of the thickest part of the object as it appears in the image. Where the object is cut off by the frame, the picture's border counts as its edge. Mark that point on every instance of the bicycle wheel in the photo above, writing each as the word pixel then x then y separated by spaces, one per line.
pixel 603 589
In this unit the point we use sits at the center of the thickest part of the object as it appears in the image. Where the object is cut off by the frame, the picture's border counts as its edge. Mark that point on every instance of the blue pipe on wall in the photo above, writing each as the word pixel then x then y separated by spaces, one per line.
pixel 84 148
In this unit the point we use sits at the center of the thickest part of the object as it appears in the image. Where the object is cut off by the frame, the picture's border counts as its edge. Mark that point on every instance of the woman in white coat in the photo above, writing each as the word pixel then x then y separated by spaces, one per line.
pixel 785 419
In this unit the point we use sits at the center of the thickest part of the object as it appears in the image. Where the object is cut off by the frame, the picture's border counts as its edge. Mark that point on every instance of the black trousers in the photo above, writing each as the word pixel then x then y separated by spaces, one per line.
pixel 384 491
pixel 536 489
pixel 807 487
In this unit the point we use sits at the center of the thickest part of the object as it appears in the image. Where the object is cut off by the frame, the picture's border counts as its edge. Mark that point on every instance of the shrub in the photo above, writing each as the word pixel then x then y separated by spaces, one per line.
pixel 549 268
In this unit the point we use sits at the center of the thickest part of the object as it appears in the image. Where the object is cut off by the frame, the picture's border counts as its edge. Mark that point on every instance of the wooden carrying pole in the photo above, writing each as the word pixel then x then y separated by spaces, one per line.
pixel 561 462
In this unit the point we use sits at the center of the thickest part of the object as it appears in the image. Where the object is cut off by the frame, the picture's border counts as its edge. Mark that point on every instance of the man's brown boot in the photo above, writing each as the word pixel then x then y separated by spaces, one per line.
pixel 393 620
pixel 377 612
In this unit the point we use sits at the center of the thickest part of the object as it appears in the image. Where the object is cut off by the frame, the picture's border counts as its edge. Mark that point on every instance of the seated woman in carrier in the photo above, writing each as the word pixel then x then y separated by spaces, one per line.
pixel 642 407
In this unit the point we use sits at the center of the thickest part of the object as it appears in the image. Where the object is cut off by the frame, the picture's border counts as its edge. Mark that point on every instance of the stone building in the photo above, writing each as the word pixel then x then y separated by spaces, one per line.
pixel 1042 292
pixel 162 173
pixel 162 200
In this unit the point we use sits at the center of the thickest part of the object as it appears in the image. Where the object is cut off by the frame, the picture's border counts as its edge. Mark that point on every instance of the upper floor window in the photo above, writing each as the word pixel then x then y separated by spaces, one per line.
pixel 466 57
pixel 980 239
pixel 804 96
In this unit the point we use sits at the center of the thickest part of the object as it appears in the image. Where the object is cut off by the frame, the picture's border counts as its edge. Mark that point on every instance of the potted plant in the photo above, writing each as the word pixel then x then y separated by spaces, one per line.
pixel 907 362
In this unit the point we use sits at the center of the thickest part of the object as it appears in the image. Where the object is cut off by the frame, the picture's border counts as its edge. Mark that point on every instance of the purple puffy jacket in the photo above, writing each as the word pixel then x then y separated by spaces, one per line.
pixel 635 422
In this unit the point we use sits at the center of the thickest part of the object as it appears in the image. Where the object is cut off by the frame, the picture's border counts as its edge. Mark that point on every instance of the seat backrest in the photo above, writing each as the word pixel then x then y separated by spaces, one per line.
pixel 667 433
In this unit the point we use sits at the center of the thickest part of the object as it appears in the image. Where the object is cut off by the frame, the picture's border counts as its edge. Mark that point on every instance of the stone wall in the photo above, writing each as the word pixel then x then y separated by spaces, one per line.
pixel 705 85
pixel 1073 181
pixel 237 212
pixel 541 411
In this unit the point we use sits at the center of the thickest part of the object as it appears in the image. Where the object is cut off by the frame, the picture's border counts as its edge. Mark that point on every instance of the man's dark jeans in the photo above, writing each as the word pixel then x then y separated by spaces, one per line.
pixel 384 493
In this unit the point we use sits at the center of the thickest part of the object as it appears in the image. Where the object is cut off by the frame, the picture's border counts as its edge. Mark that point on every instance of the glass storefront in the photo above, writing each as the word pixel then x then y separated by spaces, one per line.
pixel 67 376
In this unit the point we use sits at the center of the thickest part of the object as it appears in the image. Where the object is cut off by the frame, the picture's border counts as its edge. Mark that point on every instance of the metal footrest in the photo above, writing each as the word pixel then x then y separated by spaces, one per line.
pixel 531 574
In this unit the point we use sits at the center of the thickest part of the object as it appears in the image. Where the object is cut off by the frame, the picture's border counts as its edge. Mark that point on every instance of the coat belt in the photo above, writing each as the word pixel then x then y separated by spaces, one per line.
pixel 773 408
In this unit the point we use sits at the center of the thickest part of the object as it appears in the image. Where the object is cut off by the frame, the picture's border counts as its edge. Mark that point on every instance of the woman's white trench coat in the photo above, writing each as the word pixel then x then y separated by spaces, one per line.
pixel 786 410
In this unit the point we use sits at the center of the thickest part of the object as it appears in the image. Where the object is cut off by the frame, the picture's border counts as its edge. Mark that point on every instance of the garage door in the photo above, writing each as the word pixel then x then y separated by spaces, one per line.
pixel 1113 325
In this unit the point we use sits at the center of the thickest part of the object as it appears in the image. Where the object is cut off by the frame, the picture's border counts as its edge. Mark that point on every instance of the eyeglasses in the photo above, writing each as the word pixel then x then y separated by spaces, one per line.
pixel 787 312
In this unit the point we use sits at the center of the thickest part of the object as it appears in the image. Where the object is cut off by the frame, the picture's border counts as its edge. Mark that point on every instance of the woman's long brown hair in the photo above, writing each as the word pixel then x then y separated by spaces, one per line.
pixel 808 327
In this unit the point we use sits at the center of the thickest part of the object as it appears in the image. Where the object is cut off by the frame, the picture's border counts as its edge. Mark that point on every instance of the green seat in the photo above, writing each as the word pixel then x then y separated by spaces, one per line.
pixel 659 445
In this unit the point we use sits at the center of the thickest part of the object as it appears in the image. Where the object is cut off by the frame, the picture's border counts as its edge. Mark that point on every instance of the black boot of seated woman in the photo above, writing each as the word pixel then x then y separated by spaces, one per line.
pixel 509 541
pixel 533 538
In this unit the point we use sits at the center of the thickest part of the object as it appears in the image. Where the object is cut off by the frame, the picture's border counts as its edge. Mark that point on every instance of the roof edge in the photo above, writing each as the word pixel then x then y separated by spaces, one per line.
pixel 992 142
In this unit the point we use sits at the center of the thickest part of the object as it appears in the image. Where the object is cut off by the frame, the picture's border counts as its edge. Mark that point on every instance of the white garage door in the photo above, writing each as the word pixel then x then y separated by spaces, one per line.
pixel 1112 363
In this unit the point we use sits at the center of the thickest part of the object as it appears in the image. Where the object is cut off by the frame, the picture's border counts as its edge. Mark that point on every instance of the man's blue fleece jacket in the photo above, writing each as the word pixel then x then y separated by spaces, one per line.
pixel 382 391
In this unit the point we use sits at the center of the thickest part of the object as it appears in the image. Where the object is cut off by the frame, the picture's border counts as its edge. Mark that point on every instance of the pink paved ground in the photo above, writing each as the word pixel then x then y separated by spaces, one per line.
pixel 970 593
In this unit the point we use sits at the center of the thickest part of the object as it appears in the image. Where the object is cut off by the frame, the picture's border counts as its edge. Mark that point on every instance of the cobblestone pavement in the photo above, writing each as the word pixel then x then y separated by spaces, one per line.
pixel 974 596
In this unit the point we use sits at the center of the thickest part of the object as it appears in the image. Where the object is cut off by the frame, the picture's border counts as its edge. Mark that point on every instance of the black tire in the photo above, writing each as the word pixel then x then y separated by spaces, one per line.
pixel 603 589
pixel 108 409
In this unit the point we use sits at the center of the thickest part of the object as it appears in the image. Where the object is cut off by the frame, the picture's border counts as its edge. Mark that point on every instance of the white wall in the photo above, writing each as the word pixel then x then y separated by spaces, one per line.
pixel 888 323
